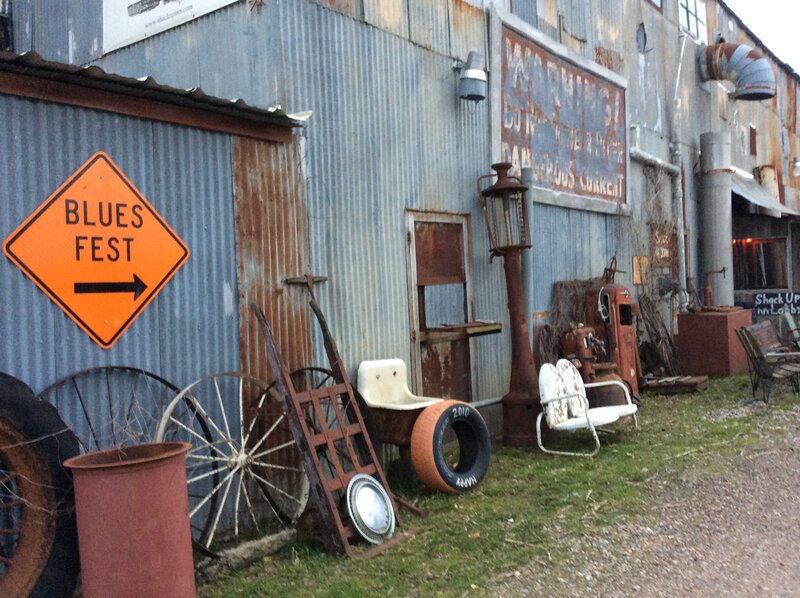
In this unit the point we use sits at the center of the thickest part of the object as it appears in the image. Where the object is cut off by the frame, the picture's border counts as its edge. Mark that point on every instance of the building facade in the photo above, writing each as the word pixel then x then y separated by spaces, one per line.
pixel 600 105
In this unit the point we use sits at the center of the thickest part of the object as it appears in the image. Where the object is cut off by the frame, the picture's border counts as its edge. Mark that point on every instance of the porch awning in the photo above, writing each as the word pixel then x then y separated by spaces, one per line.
pixel 753 192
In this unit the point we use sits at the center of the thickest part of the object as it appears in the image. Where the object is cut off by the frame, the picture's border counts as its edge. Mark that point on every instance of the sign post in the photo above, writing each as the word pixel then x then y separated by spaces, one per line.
pixel 98 249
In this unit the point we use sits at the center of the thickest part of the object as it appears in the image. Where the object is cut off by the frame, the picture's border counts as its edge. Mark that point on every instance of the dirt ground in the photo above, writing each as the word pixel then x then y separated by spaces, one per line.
pixel 731 534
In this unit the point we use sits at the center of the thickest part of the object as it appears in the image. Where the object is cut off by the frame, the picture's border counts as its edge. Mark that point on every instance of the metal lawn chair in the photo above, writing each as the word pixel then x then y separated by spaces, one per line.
pixel 566 408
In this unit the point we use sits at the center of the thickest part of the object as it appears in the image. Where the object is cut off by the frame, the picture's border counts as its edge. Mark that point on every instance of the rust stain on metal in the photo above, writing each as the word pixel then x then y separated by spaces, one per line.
pixel 348 7
pixel 663 250
pixel 608 58
pixel 571 120
pixel 440 260
pixel 464 8
pixel 440 253
pixel 445 370
pixel 272 245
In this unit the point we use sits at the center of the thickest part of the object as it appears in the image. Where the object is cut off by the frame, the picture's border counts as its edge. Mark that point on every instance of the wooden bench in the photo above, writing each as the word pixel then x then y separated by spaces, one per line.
pixel 767 339
pixel 768 360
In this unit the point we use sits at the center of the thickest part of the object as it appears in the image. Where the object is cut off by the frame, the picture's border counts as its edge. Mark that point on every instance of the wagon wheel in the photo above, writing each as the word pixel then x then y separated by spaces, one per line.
pixel 111 406
pixel 118 406
pixel 247 480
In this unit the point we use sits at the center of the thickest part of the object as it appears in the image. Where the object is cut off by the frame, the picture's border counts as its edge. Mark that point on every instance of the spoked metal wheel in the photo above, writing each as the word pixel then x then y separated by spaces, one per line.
pixel 247 480
pixel 111 406
pixel 119 406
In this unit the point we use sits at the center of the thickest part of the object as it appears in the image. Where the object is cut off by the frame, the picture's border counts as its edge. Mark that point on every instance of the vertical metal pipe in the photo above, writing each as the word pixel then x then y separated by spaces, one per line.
pixel 677 184
pixel 715 164
pixel 521 402
pixel 527 256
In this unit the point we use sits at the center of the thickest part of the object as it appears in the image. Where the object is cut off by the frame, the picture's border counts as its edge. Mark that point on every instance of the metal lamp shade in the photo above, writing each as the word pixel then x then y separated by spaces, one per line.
pixel 505 211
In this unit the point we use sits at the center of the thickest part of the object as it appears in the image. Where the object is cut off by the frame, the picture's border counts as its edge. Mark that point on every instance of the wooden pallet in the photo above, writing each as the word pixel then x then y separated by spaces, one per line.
pixel 675 385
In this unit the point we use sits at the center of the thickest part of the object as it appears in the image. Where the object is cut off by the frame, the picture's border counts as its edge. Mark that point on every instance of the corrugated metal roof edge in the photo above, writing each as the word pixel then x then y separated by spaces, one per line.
pixel 30 63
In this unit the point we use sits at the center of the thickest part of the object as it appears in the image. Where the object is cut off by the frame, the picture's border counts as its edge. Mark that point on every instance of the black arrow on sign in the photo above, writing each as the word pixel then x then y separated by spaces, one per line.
pixel 137 287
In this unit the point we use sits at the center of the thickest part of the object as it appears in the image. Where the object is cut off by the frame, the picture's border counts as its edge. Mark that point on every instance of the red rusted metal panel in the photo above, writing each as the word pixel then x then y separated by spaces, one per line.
pixel 707 342
pixel 565 123
pixel 272 245
pixel 445 358
pixel 445 370
pixel 440 253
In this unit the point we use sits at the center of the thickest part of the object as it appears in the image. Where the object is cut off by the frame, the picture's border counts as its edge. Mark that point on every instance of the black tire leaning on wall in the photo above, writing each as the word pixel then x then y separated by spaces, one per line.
pixel 427 446
pixel 34 441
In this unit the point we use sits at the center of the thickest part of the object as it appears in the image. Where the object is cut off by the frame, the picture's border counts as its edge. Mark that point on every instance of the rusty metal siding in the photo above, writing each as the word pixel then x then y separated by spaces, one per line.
pixel 429 24
pixel 593 239
pixel 272 245
pixel 190 329
pixel 467 29
pixel 387 133
pixel 389 15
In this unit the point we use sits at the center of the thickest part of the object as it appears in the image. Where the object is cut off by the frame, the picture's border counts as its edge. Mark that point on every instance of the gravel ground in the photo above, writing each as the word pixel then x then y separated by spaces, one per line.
pixel 734 534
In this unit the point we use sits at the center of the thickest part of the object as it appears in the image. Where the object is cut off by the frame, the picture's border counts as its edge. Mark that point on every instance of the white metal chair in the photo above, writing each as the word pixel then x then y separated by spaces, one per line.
pixel 566 408
pixel 383 385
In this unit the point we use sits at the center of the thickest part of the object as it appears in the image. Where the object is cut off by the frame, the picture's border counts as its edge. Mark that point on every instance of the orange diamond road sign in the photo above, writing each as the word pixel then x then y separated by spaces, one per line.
pixel 98 249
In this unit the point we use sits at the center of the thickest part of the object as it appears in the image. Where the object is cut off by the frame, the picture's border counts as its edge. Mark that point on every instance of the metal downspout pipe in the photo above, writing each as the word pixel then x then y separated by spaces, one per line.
pixel 715 166
pixel 677 186
pixel 527 256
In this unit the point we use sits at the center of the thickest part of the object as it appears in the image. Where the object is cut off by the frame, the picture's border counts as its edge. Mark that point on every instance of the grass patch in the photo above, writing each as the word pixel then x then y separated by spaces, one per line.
pixel 531 506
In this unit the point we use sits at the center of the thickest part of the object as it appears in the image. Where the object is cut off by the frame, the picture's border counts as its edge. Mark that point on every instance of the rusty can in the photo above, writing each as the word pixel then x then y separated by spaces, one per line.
pixel 132 508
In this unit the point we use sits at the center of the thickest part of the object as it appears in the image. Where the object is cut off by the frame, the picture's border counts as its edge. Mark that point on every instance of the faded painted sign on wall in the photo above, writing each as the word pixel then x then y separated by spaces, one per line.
pixel 564 122
pixel 128 21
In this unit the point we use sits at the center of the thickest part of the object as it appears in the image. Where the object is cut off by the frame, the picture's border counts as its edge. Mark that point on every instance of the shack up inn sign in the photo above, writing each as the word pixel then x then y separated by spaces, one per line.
pixel 776 304
pixel 565 123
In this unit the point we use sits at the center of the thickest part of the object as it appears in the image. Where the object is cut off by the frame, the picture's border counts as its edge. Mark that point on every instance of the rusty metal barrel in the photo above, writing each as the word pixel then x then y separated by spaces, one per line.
pixel 132 508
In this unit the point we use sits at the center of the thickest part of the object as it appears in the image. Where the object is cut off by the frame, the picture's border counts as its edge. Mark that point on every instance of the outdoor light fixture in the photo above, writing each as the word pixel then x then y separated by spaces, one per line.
pixel 472 81
pixel 506 216
pixel 796 166
pixel 505 211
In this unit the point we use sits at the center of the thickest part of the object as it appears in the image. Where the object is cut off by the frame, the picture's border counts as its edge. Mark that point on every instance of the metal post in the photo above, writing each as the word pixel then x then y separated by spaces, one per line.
pixel 715 164
pixel 521 403
pixel 527 256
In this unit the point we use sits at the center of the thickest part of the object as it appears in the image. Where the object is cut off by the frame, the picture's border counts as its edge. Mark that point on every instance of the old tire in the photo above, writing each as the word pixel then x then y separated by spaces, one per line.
pixel 39 543
pixel 427 447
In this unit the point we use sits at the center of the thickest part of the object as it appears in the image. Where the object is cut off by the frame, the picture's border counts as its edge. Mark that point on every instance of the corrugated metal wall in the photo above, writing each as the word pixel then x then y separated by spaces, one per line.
pixel 191 328
pixel 272 245
pixel 410 143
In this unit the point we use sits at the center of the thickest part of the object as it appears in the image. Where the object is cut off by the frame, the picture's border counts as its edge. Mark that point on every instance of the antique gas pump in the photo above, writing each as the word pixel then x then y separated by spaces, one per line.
pixel 610 312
